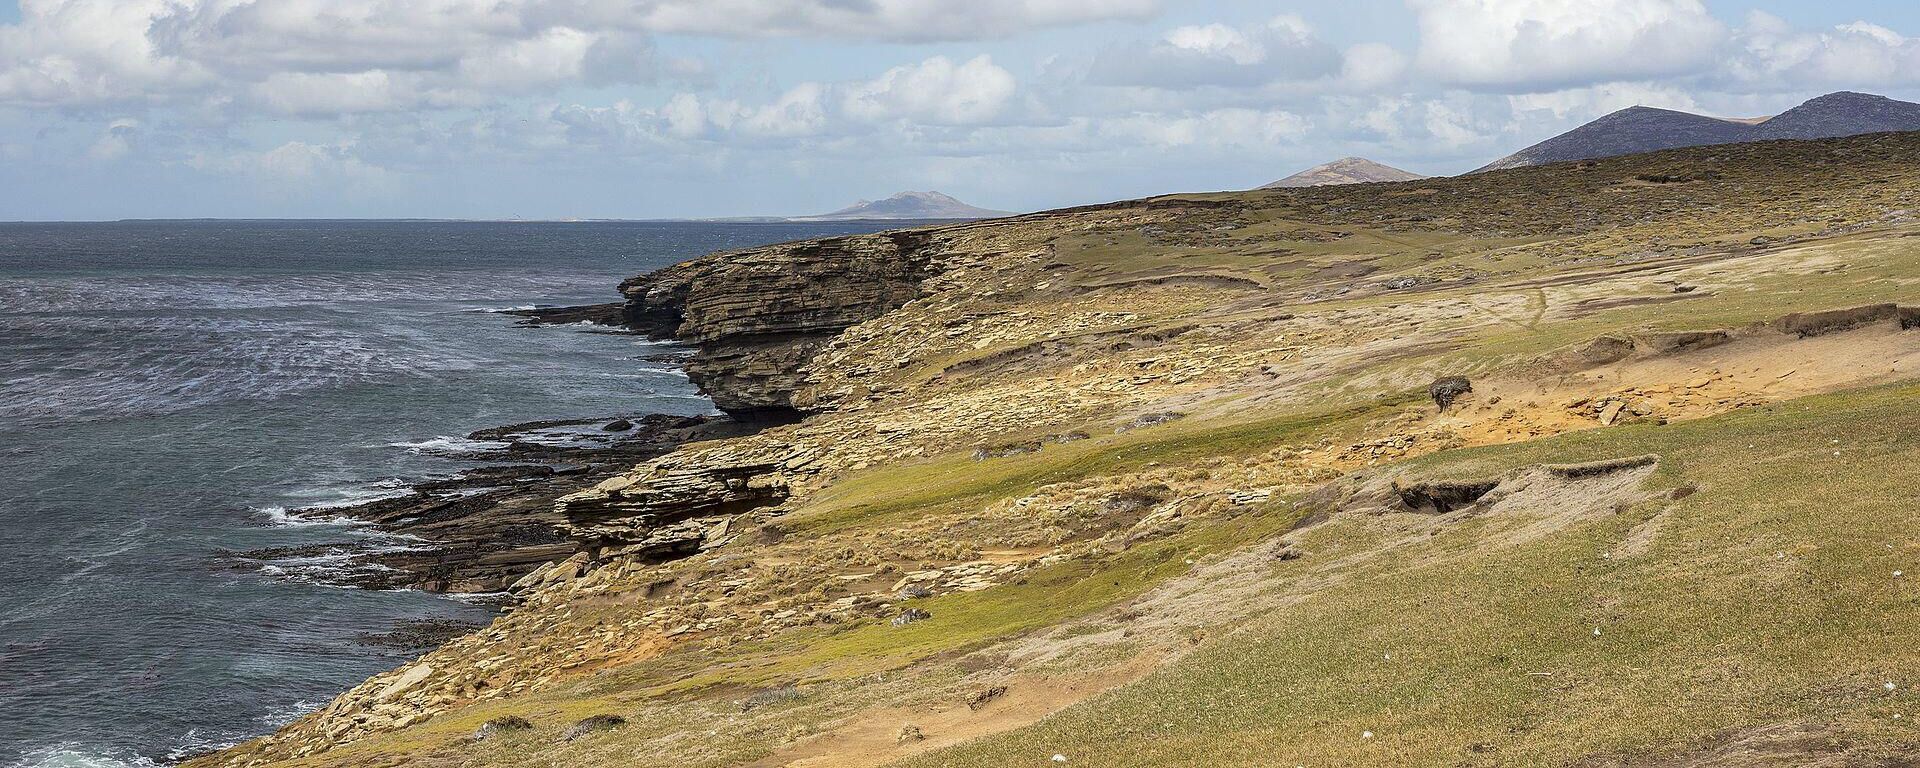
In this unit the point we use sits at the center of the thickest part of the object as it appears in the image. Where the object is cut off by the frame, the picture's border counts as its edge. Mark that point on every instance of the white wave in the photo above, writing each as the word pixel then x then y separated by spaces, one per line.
pixel 287 713
pixel 193 743
pixel 476 598
pixel 70 756
pixel 445 444
pixel 312 513
pixel 279 517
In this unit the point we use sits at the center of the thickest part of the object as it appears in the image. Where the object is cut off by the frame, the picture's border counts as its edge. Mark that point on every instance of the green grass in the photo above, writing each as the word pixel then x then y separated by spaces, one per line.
pixel 955 479
pixel 1767 597
pixel 964 621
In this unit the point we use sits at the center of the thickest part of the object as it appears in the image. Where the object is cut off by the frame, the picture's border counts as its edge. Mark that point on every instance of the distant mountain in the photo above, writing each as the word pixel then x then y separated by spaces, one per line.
pixel 908 205
pixel 1346 170
pixel 1841 114
pixel 1628 132
pixel 1644 129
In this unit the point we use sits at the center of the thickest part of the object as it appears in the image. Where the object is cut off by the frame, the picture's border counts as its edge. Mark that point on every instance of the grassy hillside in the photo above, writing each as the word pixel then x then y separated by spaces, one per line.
pixel 1767 595
pixel 1160 483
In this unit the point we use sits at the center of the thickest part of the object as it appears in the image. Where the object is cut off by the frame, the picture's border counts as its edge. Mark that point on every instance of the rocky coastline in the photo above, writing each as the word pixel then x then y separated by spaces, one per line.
pixel 507 525
pixel 979 465
pixel 482 530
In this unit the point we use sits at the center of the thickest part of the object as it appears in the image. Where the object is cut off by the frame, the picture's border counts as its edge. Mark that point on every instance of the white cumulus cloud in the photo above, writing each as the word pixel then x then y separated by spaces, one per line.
pixel 1773 54
pixel 936 91
pixel 1284 48
pixel 1546 44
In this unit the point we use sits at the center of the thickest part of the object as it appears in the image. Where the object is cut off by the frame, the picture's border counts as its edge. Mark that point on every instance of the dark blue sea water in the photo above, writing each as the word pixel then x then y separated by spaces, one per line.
pixel 167 387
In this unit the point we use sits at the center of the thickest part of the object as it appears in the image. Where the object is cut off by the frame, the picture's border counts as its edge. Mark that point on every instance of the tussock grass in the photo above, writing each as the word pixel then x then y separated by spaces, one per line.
pixel 1767 596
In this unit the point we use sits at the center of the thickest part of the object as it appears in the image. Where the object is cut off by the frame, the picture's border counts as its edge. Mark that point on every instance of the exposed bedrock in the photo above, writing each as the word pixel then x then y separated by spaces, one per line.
pixel 672 507
pixel 756 316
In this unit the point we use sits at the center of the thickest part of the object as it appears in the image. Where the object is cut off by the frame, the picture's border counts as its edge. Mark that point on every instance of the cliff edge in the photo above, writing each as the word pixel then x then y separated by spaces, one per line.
pixel 1484 472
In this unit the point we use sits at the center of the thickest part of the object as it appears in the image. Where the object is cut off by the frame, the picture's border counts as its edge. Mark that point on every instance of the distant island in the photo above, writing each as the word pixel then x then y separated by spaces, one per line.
pixel 908 205
pixel 1347 170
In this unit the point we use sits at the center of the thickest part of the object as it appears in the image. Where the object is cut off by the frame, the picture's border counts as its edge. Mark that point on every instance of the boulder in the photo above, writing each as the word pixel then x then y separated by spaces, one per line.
pixel 592 725
pixel 1447 389
pixel 501 725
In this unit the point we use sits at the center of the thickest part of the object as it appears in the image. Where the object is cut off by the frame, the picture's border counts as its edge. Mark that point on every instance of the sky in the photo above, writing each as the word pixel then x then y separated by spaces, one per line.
pixel 556 109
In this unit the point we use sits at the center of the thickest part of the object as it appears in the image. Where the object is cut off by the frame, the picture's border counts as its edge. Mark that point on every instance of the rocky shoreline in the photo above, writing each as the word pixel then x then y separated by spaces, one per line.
pixel 479 532
pixel 537 508
pixel 483 529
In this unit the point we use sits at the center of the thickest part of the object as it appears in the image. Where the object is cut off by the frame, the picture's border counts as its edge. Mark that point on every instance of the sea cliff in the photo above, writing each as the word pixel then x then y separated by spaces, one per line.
pixel 1161 482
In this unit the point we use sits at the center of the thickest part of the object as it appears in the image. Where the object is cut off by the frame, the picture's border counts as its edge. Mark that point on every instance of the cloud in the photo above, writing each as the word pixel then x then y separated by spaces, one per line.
pixel 555 55
pixel 887 20
pixel 936 91
pixel 86 52
pixel 1283 48
pixel 1587 103
pixel 1220 128
pixel 307 93
pixel 1774 55
pixel 82 51
pixel 115 142
pixel 1372 65
pixel 295 165
pixel 801 111
pixel 1524 45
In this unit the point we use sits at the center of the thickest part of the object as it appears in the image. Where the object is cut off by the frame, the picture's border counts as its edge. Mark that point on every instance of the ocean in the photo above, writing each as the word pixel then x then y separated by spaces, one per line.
pixel 169 389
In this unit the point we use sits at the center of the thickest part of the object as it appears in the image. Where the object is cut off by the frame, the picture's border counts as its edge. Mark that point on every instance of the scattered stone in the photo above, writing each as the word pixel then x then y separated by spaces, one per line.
pixel 1136 499
pixel 501 725
pixel 910 732
pixel 1447 389
pixel 420 634
pixel 592 725
pixel 770 697
pixel 910 616
pixel 1611 412
pixel 1150 420
pixel 982 698
pixel 914 592
pixel 1020 447
pixel 1245 498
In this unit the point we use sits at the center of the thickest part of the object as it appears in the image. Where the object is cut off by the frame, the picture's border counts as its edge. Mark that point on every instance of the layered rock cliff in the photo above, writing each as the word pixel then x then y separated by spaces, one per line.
pixel 758 315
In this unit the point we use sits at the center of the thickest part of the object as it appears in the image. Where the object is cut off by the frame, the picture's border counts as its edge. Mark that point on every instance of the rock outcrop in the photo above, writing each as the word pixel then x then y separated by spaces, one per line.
pixel 756 316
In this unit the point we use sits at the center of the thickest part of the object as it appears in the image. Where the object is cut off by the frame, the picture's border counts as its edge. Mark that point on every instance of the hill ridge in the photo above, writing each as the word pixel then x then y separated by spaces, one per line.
pixel 931 204
pixel 1346 170
pixel 1640 128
